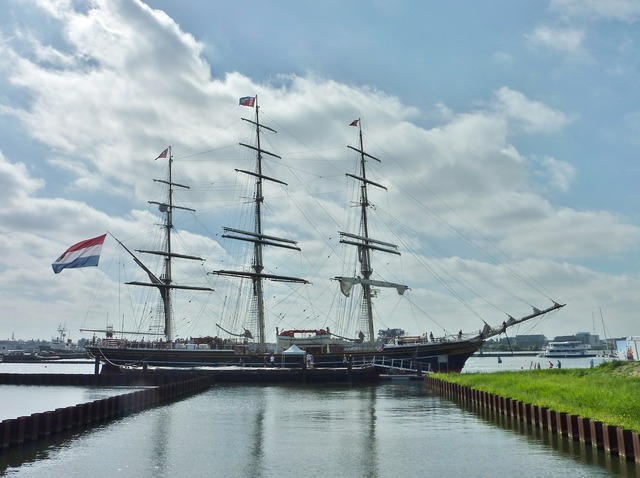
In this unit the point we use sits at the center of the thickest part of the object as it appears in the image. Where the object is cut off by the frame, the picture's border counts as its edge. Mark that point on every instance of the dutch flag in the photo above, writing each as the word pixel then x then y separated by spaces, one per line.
pixel 82 254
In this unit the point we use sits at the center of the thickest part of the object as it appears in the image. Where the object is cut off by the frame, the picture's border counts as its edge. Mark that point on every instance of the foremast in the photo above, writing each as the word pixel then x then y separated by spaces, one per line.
pixel 164 283
pixel 366 244
pixel 257 237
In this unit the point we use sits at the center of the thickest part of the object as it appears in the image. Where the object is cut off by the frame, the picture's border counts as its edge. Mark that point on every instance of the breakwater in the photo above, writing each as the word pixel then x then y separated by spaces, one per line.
pixel 612 439
pixel 159 389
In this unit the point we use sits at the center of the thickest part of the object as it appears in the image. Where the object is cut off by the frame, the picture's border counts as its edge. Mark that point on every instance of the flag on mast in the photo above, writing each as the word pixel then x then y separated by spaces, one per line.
pixel 354 122
pixel 83 254
pixel 163 154
pixel 248 101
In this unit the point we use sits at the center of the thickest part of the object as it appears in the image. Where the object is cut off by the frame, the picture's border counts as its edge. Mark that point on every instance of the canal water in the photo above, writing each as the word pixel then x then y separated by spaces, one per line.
pixel 389 430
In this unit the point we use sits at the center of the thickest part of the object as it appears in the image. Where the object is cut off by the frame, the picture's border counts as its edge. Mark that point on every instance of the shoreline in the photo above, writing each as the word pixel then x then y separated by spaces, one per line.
pixel 574 402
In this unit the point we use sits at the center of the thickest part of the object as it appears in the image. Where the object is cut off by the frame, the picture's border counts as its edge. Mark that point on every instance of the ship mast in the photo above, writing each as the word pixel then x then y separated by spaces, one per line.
pixel 164 283
pixel 257 237
pixel 365 245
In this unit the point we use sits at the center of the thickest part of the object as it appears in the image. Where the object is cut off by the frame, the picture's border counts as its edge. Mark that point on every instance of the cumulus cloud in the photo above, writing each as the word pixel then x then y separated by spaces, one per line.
pixel 565 40
pixel 503 58
pixel 574 20
pixel 532 116
pixel 16 182
pixel 125 81
pixel 571 234
pixel 559 174
pixel 623 10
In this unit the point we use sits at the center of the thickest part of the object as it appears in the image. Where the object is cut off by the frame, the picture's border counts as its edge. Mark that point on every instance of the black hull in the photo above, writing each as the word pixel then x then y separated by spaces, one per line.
pixel 436 357
pixel 552 356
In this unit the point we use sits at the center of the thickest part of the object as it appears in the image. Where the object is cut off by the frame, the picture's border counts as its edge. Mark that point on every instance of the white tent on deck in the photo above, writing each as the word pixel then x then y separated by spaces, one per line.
pixel 295 353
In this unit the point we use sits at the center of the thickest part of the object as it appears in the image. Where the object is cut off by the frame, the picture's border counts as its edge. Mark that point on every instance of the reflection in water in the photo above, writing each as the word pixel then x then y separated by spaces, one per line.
pixel 388 430
pixel 160 438
pixel 563 446
pixel 257 433
pixel 367 451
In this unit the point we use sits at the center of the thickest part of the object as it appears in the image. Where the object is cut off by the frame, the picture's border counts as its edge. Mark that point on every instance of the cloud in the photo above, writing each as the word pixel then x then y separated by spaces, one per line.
pixel 557 174
pixel 621 10
pixel 563 40
pixel 503 58
pixel 567 233
pixel 531 116
pixel 15 181
pixel 123 81
pixel 574 20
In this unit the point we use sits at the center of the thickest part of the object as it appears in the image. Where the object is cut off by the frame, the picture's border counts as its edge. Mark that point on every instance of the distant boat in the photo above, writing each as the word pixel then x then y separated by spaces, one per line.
pixel 63 347
pixel 59 348
pixel 248 345
pixel 568 349
pixel 22 356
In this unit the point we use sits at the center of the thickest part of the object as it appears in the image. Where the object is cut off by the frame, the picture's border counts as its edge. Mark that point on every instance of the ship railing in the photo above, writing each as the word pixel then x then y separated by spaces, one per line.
pixel 399 365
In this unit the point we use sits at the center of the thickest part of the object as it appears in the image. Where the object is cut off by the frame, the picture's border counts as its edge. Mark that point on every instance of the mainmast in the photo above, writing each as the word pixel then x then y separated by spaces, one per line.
pixel 164 283
pixel 366 244
pixel 257 237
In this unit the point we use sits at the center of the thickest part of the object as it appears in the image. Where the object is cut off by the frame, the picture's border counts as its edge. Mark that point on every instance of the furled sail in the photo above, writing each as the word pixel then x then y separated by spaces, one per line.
pixel 347 283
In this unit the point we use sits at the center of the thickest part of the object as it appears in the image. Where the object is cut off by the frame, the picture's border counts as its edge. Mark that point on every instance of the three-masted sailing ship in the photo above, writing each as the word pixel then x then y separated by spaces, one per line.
pixel 327 349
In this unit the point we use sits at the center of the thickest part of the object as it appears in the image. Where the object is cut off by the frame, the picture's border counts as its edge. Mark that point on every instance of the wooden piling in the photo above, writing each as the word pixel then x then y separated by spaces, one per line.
pixel 584 431
pixel 28 429
pixel 610 439
pixel 613 440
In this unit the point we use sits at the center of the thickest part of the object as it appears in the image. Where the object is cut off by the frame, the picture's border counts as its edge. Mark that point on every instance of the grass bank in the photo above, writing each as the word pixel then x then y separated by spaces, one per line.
pixel 609 393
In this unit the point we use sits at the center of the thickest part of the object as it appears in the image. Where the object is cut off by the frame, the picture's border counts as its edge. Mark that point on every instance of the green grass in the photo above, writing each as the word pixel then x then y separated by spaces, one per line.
pixel 609 393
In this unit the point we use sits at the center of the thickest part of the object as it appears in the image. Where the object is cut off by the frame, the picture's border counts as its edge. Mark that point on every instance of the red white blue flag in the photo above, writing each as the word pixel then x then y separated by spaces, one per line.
pixel 354 123
pixel 247 101
pixel 163 154
pixel 82 254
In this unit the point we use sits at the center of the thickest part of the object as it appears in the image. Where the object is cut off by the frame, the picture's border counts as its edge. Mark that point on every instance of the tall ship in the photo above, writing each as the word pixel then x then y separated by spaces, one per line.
pixel 249 346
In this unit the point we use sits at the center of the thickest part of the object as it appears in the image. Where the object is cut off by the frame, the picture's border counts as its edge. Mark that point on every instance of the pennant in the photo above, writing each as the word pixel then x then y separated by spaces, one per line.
pixel 163 154
pixel 354 122
pixel 83 254
pixel 248 101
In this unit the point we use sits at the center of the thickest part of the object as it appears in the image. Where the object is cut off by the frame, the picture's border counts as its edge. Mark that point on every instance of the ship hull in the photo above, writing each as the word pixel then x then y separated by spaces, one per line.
pixel 437 357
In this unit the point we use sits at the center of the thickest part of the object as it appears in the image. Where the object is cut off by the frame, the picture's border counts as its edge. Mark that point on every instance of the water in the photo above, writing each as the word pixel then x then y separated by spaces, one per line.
pixel 59 366
pixel 21 400
pixel 386 430
pixel 520 362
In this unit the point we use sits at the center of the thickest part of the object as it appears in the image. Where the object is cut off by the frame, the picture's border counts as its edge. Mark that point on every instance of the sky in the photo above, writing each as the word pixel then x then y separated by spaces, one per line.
pixel 511 125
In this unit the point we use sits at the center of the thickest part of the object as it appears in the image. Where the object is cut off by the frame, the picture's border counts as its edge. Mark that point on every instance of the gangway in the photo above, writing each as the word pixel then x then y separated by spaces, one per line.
pixel 399 366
